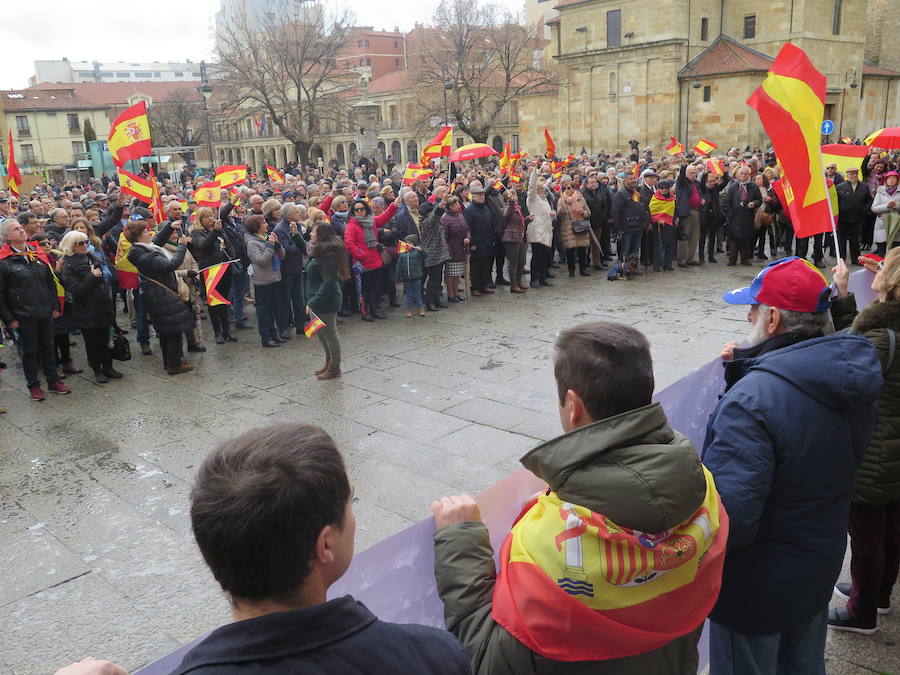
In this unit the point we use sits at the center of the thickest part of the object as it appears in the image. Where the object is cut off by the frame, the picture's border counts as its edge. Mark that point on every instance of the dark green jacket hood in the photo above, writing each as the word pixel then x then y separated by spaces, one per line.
pixel 632 468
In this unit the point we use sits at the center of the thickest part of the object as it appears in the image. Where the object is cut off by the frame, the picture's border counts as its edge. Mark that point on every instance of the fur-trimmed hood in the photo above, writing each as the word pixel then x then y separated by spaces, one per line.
pixel 878 315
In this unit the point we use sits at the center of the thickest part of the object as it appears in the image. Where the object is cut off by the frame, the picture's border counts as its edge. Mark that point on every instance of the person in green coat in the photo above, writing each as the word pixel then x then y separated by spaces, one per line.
pixel 613 569
pixel 325 272
pixel 875 510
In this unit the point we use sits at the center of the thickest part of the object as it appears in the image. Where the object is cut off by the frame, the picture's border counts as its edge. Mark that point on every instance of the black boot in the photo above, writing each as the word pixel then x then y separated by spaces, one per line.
pixel 228 335
pixel 100 376
pixel 219 339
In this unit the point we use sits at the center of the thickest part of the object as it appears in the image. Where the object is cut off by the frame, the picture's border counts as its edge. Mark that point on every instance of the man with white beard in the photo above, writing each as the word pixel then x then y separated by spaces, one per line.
pixel 784 444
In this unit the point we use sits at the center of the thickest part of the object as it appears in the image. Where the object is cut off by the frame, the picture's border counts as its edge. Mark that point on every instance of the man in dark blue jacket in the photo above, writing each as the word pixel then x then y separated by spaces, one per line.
pixel 271 512
pixel 784 444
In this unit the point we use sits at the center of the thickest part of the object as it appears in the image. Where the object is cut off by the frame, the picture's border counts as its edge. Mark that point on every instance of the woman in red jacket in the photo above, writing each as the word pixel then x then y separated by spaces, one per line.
pixel 361 241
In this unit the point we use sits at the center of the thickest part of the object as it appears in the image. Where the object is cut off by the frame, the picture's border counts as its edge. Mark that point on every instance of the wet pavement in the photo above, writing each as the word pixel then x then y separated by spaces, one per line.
pixel 96 554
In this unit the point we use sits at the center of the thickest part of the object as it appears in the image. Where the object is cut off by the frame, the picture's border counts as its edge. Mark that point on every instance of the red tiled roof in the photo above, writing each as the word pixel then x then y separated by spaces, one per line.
pixel 117 93
pixel 53 99
pixel 726 56
pixel 555 19
pixel 391 82
pixel 872 69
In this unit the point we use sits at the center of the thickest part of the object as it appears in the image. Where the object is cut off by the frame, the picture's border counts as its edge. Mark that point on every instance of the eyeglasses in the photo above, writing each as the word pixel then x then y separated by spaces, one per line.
pixel 361 209
pixel 81 243
pixel 879 265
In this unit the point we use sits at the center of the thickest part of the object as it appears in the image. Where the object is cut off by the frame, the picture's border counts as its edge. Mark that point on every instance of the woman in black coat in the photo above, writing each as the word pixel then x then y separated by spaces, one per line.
pixel 159 288
pixel 210 246
pixel 92 309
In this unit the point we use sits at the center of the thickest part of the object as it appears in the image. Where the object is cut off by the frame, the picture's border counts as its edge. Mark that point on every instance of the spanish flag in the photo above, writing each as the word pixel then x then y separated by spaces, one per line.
pixel 575 586
pixel 126 272
pixel 314 324
pixel 637 170
pixel 273 174
pixel 844 156
pixel 13 177
pixel 129 136
pixel 403 247
pixel 229 175
pixel 674 147
pixel 208 195
pixel 156 207
pixel 662 209
pixel 551 146
pixel 791 105
pixel 439 146
pixel 704 147
pixel 136 186
pixel 505 159
pixel 715 166
pixel 212 275
pixel 516 178
pixel 415 172
pixel 847 140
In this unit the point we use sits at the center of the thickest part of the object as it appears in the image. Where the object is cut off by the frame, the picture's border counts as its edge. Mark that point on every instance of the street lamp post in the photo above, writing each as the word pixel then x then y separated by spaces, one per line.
pixel 448 85
pixel 206 89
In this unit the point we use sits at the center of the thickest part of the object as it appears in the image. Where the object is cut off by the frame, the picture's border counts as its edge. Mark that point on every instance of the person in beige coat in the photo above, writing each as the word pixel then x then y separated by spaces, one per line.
pixel 574 214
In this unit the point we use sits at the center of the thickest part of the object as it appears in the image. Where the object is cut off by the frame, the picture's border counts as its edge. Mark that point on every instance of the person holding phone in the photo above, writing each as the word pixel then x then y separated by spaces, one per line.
pixel 264 253
pixel 209 247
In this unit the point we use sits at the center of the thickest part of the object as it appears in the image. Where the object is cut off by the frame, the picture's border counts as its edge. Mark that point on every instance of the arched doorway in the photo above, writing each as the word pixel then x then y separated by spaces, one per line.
pixel 397 152
pixel 316 156
pixel 412 151
pixel 382 152
pixel 353 153
pixel 340 155
pixel 497 144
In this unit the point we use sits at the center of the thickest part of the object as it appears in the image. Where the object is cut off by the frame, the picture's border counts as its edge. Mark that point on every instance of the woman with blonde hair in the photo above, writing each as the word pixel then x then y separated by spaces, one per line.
pixel 92 309
pixel 210 246
pixel 314 216
pixel 875 508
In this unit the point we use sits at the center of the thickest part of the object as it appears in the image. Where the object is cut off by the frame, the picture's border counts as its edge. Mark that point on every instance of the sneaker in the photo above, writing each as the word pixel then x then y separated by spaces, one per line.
pixel 37 394
pixel 842 590
pixel 840 619
pixel 58 387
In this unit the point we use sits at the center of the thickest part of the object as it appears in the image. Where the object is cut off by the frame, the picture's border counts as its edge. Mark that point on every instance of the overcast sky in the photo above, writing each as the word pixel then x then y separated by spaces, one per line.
pixel 162 30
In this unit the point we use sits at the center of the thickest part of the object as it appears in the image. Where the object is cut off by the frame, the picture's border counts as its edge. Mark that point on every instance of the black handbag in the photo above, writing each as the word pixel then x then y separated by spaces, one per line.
pixel 580 226
pixel 121 350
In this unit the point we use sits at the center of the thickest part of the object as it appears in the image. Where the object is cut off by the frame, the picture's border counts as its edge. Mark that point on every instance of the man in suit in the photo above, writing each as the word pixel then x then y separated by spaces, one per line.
pixel 854 204
pixel 740 206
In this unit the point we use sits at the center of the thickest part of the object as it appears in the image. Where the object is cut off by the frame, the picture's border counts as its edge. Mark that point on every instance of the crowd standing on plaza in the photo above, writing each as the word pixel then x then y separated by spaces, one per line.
pixel 638 537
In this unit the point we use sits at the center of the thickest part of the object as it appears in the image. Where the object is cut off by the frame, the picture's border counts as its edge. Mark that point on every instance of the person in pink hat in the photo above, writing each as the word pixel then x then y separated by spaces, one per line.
pixel 784 444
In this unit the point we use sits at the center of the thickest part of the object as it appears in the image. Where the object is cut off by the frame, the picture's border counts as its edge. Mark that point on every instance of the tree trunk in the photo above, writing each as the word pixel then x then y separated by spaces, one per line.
pixel 301 149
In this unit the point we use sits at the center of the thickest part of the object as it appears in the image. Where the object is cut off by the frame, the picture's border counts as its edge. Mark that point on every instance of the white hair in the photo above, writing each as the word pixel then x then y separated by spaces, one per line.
pixel 5 225
pixel 70 241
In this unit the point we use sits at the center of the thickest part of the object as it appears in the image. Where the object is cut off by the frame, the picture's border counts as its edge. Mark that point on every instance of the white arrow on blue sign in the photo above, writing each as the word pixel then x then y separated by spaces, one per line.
pixel 827 127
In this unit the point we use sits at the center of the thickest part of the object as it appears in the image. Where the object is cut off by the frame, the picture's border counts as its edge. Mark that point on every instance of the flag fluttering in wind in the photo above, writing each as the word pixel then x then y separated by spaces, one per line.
pixel 156 205
pixel 505 159
pixel 704 147
pixel 844 156
pixel 212 275
pixel 715 166
pixel 229 175
pixel 135 186
pixel 637 170
pixel 674 147
pixel 403 247
pixel 208 194
pixel 847 140
pixel 439 146
pixel 415 172
pixel 126 272
pixel 791 106
pixel 129 135
pixel 274 174
pixel 13 177
pixel 662 208
pixel 315 323
pixel 551 146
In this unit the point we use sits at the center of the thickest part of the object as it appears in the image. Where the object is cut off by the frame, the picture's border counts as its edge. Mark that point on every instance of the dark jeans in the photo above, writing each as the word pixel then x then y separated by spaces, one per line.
pixel 289 305
pixel 499 259
pixel 96 346
pixel 803 247
pixel 171 347
pixel 540 258
pixel 239 283
pixel 36 339
pixel 849 232
pixel 581 252
pixel 629 244
pixel 481 272
pixel 797 651
pixel 218 318
pixel 371 290
pixel 875 547
pixel 63 350
pixel 140 317
pixel 708 233
pixel 515 261
pixel 761 241
pixel 432 283
pixel 665 238
pixel 744 247
pixel 265 310
pixel 787 231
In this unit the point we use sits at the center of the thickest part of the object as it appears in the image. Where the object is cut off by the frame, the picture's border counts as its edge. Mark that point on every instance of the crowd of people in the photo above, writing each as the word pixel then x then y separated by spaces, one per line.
pixel 330 243
pixel 637 538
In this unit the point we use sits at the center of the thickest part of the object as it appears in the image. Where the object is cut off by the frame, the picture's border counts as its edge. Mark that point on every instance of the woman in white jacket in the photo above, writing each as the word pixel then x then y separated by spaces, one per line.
pixel 886 206
pixel 540 230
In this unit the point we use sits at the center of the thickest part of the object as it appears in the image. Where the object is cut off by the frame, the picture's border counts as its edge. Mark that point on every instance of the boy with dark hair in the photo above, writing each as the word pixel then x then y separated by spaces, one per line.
pixel 271 513
pixel 615 566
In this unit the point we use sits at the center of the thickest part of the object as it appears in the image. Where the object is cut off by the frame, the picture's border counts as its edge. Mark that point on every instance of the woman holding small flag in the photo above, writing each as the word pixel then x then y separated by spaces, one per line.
pixel 213 252
pixel 326 270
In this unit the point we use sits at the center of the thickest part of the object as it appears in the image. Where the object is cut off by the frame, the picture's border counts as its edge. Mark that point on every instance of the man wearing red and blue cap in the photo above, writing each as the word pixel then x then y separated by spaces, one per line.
pixel 784 444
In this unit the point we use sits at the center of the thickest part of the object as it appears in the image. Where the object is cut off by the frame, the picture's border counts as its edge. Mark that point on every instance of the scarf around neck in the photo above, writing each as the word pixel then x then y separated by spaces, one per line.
pixel 368 225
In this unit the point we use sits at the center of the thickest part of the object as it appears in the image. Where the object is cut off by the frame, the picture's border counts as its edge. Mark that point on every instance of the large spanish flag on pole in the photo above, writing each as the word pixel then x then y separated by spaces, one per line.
pixel 13 177
pixel 229 175
pixel 844 156
pixel 129 135
pixel 791 106
pixel 136 186
pixel 439 146
pixel 551 146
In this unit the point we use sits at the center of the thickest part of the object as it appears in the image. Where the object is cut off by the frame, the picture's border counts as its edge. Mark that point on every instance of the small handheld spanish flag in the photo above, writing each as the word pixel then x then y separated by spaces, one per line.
pixel 274 174
pixel 403 247
pixel 212 275
pixel 314 325
pixel 674 147
pixel 704 147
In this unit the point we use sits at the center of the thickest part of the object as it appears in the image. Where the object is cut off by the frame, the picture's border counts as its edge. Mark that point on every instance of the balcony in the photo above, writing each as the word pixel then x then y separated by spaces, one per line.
pixel 26 133
pixel 75 129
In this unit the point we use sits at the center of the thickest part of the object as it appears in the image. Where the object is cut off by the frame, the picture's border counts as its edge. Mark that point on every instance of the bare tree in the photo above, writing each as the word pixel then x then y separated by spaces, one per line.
pixel 483 57
pixel 287 69
pixel 178 120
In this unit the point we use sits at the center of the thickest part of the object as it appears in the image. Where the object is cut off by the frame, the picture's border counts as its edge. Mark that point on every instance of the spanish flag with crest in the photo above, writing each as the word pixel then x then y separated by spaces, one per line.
pixel 129 135
pixel 575 586
pixel 439 146
pixel 229 175
pixel 273 174
pixel 662 209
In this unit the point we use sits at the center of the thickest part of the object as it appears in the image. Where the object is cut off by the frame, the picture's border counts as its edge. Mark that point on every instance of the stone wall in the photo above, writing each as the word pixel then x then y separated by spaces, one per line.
pixel 883 24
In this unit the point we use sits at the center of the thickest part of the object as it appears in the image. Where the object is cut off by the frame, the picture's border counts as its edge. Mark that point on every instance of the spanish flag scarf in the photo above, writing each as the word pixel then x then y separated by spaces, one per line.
pixel 33 252
pixel 574 586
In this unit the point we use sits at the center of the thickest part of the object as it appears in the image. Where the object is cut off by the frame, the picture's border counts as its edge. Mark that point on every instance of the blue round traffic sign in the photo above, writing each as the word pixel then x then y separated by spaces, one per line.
pixel 827 127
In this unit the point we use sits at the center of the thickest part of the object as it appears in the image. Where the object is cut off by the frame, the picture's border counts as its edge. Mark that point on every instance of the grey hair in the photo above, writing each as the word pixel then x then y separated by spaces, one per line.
pixel 804 325
pixel 67 245
pixel 288 208
pixel 55 212
pixel 377 200
pixel 4 228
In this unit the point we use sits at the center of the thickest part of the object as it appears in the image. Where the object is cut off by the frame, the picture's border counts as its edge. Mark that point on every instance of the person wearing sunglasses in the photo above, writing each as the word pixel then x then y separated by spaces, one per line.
pixel 361 239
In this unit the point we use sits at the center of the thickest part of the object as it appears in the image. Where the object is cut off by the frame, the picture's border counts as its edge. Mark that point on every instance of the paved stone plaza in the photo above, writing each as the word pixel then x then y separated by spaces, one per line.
pixel 96 554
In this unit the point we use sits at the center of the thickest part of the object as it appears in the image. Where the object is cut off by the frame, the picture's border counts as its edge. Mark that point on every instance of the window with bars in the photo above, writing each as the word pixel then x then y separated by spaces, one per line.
pixel 22 125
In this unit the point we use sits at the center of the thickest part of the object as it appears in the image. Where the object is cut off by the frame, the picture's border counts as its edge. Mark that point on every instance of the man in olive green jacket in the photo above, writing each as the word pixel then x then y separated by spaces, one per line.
pixel 615 567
